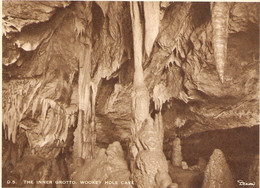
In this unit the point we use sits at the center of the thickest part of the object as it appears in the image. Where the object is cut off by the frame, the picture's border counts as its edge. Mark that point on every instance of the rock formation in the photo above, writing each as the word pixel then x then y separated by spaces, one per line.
pixel 176 152
pixel 150 168
pixel 108 169
pixel 220 19
pixel 80 75
pixel 217 173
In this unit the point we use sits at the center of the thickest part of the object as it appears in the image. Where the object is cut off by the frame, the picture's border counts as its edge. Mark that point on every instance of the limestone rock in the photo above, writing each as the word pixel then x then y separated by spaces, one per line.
pixel 176 152
pixel 109 165
pixel 217 173
pixel 152 23
pixel 43 75
pixel 17 14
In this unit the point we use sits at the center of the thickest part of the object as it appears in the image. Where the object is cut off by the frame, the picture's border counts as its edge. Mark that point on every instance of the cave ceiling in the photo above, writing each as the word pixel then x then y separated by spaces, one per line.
pixel 42 56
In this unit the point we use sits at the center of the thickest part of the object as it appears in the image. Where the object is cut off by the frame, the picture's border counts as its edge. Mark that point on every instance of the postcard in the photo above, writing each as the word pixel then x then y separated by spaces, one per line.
pixel 130 94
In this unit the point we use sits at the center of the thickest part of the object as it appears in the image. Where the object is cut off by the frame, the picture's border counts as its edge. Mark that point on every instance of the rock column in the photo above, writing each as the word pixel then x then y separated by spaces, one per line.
pixel 84 133
pixel 149 165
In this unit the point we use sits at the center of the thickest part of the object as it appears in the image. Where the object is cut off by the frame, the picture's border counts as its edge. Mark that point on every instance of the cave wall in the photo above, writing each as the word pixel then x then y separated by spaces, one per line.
pixel 69 75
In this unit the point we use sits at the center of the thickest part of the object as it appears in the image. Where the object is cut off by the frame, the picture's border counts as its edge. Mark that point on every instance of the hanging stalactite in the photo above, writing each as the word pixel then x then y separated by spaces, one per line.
pixel 53 119
pixel 220 17
pixel 83 144
pixel 152 23
pixel 140 95
pixel 20 96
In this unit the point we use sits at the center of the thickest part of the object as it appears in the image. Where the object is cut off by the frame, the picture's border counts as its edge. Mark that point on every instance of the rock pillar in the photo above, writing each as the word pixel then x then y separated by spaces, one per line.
pixel 84 140
pixel 176 152
pixel 149 165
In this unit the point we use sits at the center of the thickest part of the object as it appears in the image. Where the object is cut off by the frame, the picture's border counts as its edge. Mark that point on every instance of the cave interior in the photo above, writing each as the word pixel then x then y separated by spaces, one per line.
pixel 130 94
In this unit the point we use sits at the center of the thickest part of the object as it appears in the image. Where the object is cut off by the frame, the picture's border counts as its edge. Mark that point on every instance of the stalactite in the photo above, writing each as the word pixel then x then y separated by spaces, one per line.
pixel 52 122
pixel 149 165
pixel 18 101
pixel 82 133
pixel 160 96
pixel 152 22
pixel 141 95
pixel 107 59
pixel 94 88
pixel 220 18
pixel 83 140
pixel 55 120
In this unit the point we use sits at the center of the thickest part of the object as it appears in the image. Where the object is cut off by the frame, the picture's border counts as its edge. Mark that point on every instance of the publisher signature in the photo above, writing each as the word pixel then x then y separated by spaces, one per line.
pixel 244 183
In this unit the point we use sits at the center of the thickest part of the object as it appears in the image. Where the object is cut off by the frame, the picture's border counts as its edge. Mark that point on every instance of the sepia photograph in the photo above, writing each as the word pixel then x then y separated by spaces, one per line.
pixel 130 94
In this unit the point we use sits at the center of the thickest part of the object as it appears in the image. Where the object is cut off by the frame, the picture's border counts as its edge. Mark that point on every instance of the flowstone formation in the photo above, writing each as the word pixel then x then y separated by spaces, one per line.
pixel 150 168
pixel 85 82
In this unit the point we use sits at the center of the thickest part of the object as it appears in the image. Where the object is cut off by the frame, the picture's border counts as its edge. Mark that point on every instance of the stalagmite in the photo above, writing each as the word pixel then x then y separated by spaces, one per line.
pixel 152 22
pixel 220 18
pixel 149 165
pixel 217 173
pixel 176 153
